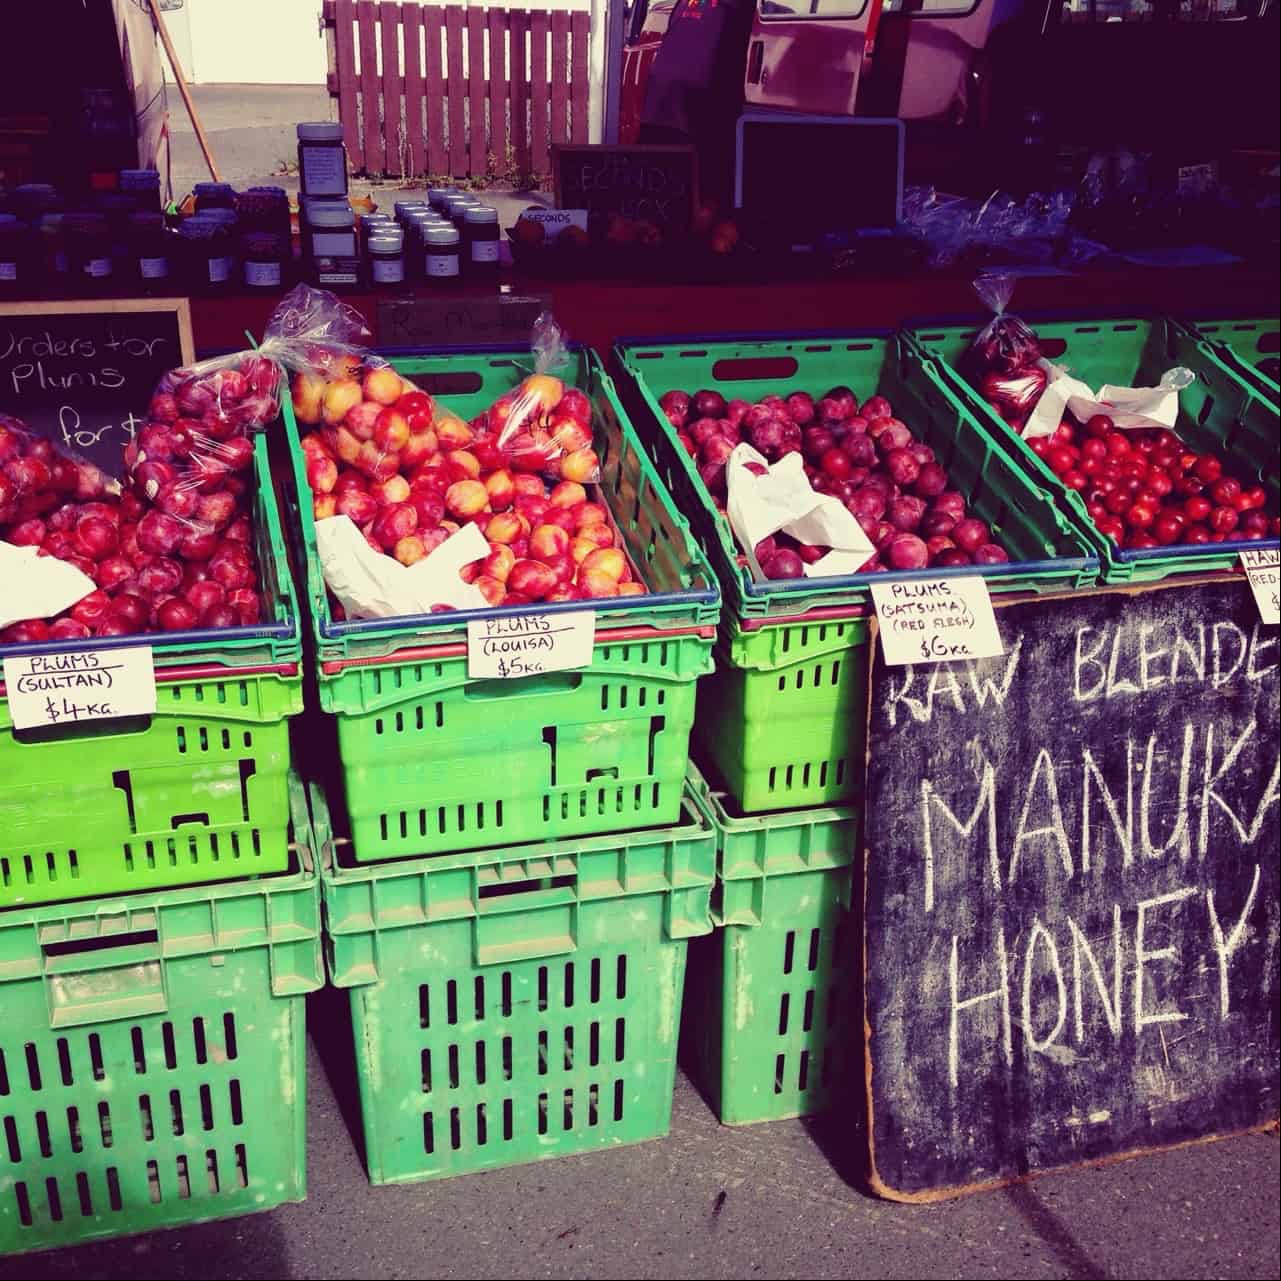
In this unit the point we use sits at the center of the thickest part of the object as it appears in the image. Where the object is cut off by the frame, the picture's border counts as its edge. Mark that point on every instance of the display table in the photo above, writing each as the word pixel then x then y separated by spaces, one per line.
pixel 598 312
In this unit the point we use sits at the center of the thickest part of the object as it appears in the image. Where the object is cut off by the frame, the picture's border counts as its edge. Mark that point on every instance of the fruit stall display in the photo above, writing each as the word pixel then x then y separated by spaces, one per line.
pixel 188 556
pixel 1250 347
pixel 594 750
pixel 779 719
pixel 155 1053
pixel 770 1017
pixel 515 1004
pixel 1152 501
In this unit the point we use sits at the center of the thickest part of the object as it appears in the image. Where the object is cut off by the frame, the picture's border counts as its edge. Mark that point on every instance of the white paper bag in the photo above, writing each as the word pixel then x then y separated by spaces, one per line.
pixel 35 586
pixel 1128 407
pixel 784 500
pixel 371 585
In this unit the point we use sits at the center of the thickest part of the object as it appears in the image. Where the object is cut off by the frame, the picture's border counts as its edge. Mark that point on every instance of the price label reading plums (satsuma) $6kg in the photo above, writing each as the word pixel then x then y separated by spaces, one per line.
pixel 529 644
pixel 936 620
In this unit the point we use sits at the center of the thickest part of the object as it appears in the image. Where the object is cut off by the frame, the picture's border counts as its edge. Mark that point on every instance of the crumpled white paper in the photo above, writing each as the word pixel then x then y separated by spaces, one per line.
pixel 1128 407
pixel 371 585
pixel 35 586
pixel 783 499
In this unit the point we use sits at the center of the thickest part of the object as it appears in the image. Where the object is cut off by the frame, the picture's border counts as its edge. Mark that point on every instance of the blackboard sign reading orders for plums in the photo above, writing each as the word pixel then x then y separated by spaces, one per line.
pixel 1072 890
pixel 81 373
pixel 649 184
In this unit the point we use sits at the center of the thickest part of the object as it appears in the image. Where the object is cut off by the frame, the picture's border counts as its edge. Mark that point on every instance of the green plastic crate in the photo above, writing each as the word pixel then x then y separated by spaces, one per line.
pixel 517 1005
pixel 772 1023
pixel 197 792
pixel 1048 553
pixel 683 592
pixel 435 761
pixel 1245 345
pixel 783 717
pixel 1218 412
pixel 152 1057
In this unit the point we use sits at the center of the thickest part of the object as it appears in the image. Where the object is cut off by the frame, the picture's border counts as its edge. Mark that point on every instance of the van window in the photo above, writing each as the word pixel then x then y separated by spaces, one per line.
pixel 812 8
pixel 932 8
pixel 1080 11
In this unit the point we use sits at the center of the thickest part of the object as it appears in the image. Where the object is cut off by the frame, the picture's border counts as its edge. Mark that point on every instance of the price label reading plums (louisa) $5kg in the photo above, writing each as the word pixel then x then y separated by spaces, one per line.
pixel 529 644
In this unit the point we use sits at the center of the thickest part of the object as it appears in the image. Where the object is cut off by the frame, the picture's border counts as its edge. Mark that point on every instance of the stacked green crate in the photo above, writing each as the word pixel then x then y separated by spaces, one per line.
pixel 434 760
pixel 152 1067
pixel 196 792
pixel 1220 412
pixel 781 717
pixel 518 1003
pixel 772 1012
pixel 1251 347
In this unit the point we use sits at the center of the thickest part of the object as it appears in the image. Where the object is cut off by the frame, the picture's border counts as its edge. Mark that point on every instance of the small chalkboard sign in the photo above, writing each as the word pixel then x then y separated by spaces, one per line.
pixel 461 321
pixel 1071 890
pixel 650 184
pixel 81 373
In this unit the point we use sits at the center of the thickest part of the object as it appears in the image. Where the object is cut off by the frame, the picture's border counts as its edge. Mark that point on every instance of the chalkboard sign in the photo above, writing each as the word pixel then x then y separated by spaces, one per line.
pixel 462 321
pixel 82 372
pixel 1072 890
pixel 651 184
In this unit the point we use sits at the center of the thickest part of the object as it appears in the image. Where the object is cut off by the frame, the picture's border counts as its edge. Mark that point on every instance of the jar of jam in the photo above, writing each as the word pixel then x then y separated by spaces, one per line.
pixel 263 260
pixel 480 236
pixel 386 253
pixel 456 211
pixel 91 266
pixel 442 257
pixel 143 186
pixel 373 224
pixel 330 247
pixel 149 251
pixel 17 257
pixel 208 254
pixel 214 195
pixel 53 252
pixel 438 197
pixel 322 159
pixel 32 200
pixel 265 209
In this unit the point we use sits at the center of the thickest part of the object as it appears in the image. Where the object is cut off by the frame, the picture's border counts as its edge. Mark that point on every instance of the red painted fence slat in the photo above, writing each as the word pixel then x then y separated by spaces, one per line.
pixel 437 155
pixel 560 76
pixel 345 56
pixel 578 75
pixel 454 87
pixel 366 15
pixel 476 89
pixel 396 160
pixel 538 28
pixel 498 88
pixel 415 137
pixel 449 89
pixel 518 26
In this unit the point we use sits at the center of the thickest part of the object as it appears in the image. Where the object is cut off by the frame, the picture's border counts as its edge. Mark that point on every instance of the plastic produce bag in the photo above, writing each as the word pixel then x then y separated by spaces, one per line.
pixel 1128 407
pixel 35 477
pixel 1005 344
pixel 542 425
pixel 198 434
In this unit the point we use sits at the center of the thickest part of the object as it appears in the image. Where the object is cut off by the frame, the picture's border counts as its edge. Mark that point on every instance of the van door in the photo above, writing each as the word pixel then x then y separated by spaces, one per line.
pixel 645 23
pixel 805 55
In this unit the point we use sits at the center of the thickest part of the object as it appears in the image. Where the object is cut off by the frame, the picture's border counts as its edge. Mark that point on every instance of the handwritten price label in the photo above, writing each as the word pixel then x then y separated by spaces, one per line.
pixel 92 685
pixel 530 644
pixel 936 620
pixel 1263 569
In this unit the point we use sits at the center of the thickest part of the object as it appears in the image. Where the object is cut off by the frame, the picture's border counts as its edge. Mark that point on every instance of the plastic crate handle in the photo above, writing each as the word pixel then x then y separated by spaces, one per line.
pixel 525 920
pixel 116 977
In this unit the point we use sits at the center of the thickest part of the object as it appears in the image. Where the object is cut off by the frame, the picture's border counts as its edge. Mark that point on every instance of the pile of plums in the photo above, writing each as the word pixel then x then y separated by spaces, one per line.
pixel 171 551
pixel 1144 488
pixel 891 483
pixel 409 472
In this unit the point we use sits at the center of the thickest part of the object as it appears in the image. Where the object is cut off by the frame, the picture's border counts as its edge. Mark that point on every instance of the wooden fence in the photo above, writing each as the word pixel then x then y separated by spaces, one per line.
pixel 452 91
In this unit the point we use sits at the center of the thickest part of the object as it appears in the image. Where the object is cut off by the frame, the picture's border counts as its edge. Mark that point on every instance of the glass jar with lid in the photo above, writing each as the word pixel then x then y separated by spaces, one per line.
pixel 214 195
pixel 17 257
pixel 208 254
pixel 143 187
pixel 438 197
pixel 385 251
pixel 442 256
pixel 329 244
pixel 90 263
pixel 53 252
pixel 149 251
pixel 32 200
pixel 480 238
pixel 322 159
pixel 263 261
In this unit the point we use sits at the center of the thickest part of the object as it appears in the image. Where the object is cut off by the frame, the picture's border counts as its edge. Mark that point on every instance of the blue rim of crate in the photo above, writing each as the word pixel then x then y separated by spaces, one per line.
pixel 451 619
pixel 1189 551
pixel 835 582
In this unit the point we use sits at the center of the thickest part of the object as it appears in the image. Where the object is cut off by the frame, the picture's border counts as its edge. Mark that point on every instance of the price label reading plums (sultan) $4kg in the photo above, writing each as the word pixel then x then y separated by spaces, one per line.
pixel 88 685
pixel 529 644
pixel 936 620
